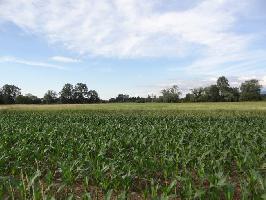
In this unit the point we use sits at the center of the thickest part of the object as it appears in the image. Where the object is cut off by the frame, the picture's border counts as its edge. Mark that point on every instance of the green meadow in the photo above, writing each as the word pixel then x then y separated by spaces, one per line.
pixel 233 106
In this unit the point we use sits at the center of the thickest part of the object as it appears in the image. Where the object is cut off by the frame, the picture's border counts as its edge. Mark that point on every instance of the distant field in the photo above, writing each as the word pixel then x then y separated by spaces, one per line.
pixel 241 106
pixel 133 151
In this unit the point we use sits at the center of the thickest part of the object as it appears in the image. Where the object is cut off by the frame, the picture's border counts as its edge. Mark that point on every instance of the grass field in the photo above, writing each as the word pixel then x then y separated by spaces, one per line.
pixel 234 106
pixel 133 151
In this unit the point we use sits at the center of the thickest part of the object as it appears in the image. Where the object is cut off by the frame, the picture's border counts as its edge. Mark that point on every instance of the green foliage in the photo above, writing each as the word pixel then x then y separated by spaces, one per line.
pixel 158 155
pixel 214 93
pixel 250 90
pixel 223 85
pixel 78 94
pixel 93 97
pixel 27 99
pixel 67 93
pixel 1 97
pixel 50 97
pixel 170 95
pixel 8 94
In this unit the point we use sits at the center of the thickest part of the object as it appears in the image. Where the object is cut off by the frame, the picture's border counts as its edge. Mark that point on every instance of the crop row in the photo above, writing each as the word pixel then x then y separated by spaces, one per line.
pixel 89 155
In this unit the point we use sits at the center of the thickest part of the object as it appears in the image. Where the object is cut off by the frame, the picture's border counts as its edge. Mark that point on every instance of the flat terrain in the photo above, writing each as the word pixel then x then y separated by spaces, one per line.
pixel 134 151
pixel 234 106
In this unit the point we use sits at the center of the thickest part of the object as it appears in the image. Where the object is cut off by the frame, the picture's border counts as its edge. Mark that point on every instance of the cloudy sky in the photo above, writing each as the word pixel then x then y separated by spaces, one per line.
pixel 130 46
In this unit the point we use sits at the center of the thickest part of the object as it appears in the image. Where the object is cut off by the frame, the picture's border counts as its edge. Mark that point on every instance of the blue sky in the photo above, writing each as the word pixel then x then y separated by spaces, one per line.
pixel 130 46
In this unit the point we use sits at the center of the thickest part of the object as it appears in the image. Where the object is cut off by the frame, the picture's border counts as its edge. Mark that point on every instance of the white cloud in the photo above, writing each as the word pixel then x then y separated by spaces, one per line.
pixel 262 79
pixel 186 85
pixel 232 63
pixel 136 28
pixel 244 78
pixel 129 28
pixel 10 59
pixel 65 59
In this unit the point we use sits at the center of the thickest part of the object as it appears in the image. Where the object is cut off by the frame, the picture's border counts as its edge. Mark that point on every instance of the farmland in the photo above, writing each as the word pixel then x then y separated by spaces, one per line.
pixel 232 106
pixel 134 151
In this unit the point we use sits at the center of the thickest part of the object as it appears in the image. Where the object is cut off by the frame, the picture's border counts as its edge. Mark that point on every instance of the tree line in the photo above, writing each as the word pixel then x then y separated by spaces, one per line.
pixel 249 90
pixel 78 94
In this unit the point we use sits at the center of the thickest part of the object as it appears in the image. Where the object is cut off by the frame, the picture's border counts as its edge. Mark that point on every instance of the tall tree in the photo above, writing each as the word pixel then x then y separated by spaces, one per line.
pixel 231 94
pixel 213 93
pixel 198 94
pixel 1 97
pixel 122 98
pixel 250 90
pixel 9 93
pixel 93 96
pixel 222 83
pixel 67 93
pixel 189 98
pixel 171 94
pixel 223 86
pixel 50 97
pixel 81 93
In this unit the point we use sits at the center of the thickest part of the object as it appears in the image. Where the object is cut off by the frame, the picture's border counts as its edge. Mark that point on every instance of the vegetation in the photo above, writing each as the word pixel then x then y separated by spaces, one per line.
pixel 133 151
pixel 50 97
pixel 220 92
pixel 10 94
pixel 215 93
pixel 79 94
pixel 132 107
pixel 250 90
pixel 27 99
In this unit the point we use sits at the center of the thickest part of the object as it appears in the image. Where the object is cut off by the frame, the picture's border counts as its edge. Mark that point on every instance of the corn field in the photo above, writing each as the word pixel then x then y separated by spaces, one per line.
pixel 132 155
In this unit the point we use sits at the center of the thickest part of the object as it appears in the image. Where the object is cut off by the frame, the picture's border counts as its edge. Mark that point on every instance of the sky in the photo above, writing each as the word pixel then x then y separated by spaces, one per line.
pixel 133 47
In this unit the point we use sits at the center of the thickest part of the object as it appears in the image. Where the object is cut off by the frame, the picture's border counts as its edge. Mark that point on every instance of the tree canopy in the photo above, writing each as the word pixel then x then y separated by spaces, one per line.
pixel 221 91
pixel 50 97
pixel 249 90
pixel 9 93
pixel 67 93
pixel 171 94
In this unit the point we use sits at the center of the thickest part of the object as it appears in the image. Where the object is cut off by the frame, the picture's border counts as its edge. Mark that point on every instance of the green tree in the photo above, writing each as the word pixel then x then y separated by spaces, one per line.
pixel 226 92
pixel 1 97
pixel 171 94
pixel 67 93
pixel 212 93
pixel 122 98
pixel 93 96
pixel 27 99
pixel 222 83
pixel 197 94
pixel 232 94
pixel 223 86
pixel 250 90
pixel 9 93
pixel 189 97
pixel 50 97
pixel 80 93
